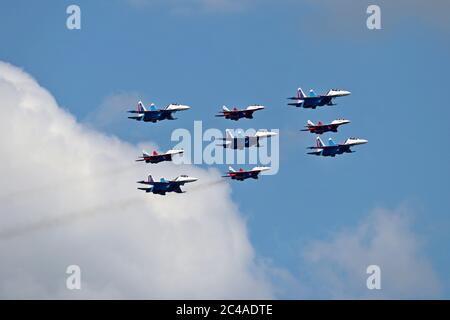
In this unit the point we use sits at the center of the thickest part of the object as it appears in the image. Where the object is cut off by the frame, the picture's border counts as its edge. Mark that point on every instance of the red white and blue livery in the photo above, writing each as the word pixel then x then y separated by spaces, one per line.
pixel 312 100
pixel 321 128
pixel 236 114
pixel 333 149
pixel 154 114
pixel 156 157
pixel 232 142
pixel 241 174
pixel 163 186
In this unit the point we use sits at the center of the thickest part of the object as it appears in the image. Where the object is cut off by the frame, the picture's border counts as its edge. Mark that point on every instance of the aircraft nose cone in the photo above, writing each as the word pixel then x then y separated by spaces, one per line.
pixel 265 134
pixel 363 141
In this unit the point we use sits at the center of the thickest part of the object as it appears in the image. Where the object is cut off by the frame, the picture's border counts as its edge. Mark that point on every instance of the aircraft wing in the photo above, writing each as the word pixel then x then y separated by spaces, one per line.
pixel 324 147
pixel 178 183
pixel 168 113
pixel 153 183
pixel 316 126
pixel 223 113
pixel 259 169
pixel 172 152
pixel 177 189
pixel 173 107
pixel 231 174
pixel 264 134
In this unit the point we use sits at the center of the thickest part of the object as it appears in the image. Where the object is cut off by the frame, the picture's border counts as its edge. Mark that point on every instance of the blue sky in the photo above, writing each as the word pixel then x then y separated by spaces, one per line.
pixel 261 52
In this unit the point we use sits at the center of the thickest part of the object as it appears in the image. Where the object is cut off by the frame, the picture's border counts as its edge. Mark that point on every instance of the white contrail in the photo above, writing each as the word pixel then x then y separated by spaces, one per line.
pixel 201 186
pixel 19 194
pixel 65 218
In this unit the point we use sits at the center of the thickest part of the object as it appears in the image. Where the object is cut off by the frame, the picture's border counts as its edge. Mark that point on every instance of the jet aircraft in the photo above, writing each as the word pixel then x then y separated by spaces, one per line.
pixel 158 157
pixel 236 114
pixel 320 127
pixel 244 142
pixel 333 149
pixel 313 100
pixel 155 114
pixel 163 186
pixel 241 175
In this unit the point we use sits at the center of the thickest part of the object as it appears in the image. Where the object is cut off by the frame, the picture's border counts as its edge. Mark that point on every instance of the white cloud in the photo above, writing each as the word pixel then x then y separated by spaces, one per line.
pixel 111 111
pixel 337 267
pixel 68 196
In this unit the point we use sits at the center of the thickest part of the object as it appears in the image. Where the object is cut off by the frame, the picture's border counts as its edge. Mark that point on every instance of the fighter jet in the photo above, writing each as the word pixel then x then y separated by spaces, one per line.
pixel 333 149
pixel 245 142
pixel 237 114
pixel 154 114
pixel 320 127
pixel 241 175
pixel 313 100
pixel 158 157
pixel 163 186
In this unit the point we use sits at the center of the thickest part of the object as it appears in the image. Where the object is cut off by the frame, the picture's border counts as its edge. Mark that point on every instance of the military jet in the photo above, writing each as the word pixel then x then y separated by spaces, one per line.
pixel 158 157
pixel 333 149
pixel 154 114
pixel 244 142
pixel 320 127
pixel 241 175
pixel 313 100
pixel 163 186
pixel 236 114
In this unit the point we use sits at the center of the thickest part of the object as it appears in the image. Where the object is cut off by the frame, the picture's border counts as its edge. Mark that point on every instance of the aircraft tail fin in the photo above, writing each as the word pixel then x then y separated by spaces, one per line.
pixel 141 107
pixel 229 134
pixel 319 143
pixel 145 153
pixel 310 123
pixel 300 94
pixel 150 179
pixel 230 168
pixel 331 142
pixel 224 108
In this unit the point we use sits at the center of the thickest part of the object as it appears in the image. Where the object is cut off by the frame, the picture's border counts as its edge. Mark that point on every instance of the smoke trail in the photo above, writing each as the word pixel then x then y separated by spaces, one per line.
pixel 66 218
pixel 203 186
pixel 18 194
